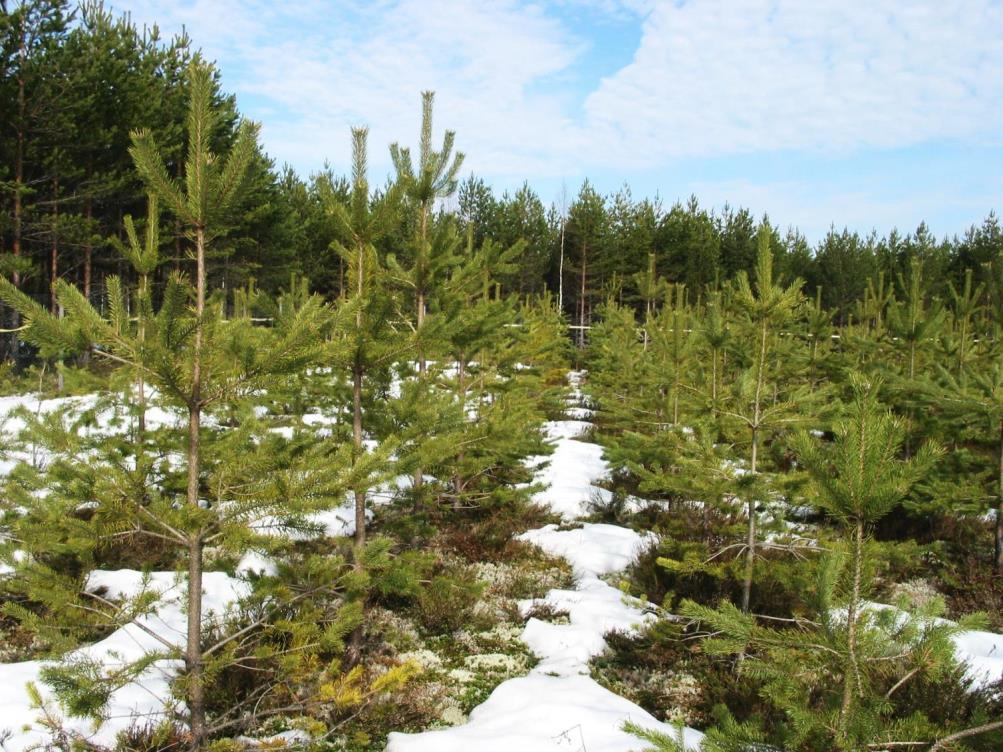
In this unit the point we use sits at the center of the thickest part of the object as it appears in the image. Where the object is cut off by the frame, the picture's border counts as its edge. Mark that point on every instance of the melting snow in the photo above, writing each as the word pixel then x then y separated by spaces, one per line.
pixel 572 471
pixel 981 652
pixel 558 707
pixel 541 713
pixel 145 698
pixel 592 549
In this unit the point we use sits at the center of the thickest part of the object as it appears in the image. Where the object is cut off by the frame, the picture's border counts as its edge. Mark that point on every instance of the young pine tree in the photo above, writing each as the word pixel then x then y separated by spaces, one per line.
pixel 145 258
pixel 432 177
pixel 196 360
pixel 211 189
pixel 858 481
pixel 371 341
pixel 972 403
pixel 835 671
pixel 766 306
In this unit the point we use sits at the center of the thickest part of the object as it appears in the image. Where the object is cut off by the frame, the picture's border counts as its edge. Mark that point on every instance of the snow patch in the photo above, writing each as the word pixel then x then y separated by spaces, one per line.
pixel 592 549
pixel 540 713
pixel 981 652
pixel 256 563
pixel 572 471
pixel 147 698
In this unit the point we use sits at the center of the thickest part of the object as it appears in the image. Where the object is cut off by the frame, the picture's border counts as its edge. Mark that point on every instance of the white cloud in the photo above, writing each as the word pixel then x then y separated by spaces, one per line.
pixel 713 77
pixel 323 67
pixel 709 77
pixel 481 59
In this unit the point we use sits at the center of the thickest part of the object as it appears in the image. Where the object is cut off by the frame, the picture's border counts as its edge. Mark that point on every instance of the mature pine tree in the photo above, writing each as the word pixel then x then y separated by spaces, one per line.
pixel 587 240
pixel 31 35
pixel 843 265
pixel 521 216
pixel 477 208
pixel 738 241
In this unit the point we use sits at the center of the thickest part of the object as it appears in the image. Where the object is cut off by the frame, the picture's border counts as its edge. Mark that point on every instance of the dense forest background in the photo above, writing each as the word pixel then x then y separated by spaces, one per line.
pixel 74 82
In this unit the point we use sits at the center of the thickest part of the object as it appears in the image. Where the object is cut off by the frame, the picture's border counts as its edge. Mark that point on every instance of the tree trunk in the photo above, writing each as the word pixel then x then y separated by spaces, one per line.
pixel 750 553
pixel 140 383
pixel 22 53
pixel 360 493
pixel 851 670
pixel 88 250
pixel 458 481
pixel 419 474
pixel 357 374
pixel 422 364
pixel 193 648
pixel 560 275
pixel 961 349
pixel 177 246
pixel 647 322
pixel 750 540
pixel 423 231
pixel 54 248
pixel 18 177
pixel 581 300
pixel 999 510
pixel 141 418
pixel 713 378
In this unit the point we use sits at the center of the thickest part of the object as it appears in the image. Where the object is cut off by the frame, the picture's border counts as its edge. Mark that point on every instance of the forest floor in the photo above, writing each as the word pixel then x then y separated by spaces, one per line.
pixel 524 682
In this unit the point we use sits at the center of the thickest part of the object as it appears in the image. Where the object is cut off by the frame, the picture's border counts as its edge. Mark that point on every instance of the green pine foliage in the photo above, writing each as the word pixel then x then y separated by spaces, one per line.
pixel 834 671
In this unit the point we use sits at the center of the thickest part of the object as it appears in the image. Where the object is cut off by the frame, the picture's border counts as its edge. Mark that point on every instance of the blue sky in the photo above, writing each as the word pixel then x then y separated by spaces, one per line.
pixel 870 116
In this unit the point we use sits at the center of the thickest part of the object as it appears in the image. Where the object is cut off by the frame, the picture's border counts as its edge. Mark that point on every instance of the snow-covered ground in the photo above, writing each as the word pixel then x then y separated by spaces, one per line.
pixel 558 707
pixel 144 698
pixel 572 470
pixel 592 549
pixel 541 713
pixel 980 652
pixel 593 607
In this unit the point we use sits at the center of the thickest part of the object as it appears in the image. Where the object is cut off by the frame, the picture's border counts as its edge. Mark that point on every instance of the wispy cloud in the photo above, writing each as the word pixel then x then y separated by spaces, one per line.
pixel 709 77
pixel 718 76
